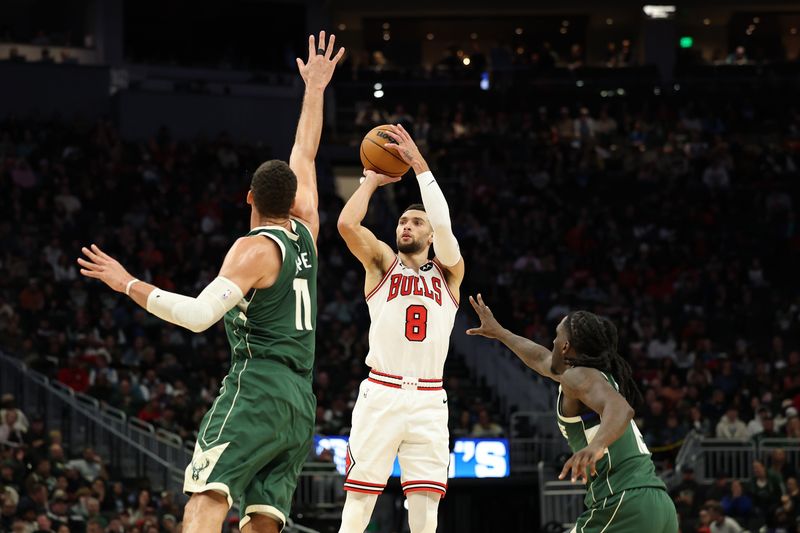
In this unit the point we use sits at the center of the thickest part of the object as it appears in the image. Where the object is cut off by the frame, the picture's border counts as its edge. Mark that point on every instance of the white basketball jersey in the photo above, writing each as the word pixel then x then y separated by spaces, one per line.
pixel 412 317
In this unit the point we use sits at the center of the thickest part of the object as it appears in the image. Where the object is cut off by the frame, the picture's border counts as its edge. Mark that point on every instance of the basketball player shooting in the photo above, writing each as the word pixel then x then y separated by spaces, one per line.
pixel 254 440
pixel 402 407
pixel 594 413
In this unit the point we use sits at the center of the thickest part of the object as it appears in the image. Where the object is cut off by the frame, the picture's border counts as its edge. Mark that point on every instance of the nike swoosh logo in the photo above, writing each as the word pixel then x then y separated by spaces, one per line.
pixel 444 401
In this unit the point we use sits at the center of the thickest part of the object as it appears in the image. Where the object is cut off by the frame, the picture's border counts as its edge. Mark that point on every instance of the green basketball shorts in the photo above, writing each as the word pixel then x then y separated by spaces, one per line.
pixel 254 440
pixel 631 511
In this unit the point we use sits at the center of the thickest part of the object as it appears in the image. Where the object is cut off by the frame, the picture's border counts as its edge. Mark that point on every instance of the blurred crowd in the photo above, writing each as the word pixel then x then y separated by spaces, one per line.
pixel 45 486
pixel 673 216
pixel 768 501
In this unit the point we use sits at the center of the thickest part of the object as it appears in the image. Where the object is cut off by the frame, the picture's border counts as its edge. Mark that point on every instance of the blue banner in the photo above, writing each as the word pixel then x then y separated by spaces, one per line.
pixel 469 458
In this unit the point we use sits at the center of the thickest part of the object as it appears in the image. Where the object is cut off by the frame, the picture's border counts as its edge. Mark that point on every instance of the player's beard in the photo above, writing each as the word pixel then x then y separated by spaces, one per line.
pixel 410 248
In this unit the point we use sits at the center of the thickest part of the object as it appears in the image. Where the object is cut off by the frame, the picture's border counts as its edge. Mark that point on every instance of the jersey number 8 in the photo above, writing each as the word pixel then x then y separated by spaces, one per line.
pixel 416 323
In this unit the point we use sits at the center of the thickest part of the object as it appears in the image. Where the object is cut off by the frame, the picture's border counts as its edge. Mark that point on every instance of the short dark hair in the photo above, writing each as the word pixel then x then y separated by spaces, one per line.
pixel 274 186
pixel 415 207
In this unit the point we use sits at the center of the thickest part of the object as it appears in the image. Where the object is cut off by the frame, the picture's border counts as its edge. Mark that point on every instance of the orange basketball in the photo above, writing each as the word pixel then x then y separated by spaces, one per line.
pixel 375 157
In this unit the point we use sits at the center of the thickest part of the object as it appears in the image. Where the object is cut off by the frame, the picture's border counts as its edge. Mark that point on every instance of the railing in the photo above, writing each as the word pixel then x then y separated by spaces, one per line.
pixel 790 446
pixel 515 385
pixel 712 458
pixel 689 451
pixel 133 449
pixel 526 424
pixel 319 494
pixel 535 437
pixel 687 456
pixel 560 502
pixel 723 457
pixel 525 454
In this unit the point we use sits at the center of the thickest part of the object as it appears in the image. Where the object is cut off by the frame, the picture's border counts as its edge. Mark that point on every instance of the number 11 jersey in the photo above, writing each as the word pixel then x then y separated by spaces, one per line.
pixel 279 323
pixel 412 315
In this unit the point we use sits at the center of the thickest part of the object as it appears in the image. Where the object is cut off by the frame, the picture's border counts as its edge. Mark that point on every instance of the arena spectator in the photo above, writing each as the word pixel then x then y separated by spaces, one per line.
pixel 765 487
pixel 780 466
pixel 768 431
pixel 730 427
pixel 9 429
pixel 756 425
pixel 719 523
pixel 737 505
pixel 90 465
pixel 485 427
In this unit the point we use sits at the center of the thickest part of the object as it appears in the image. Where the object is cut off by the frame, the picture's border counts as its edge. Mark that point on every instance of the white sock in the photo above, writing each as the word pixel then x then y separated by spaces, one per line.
pixel 423 508
pixel 357 512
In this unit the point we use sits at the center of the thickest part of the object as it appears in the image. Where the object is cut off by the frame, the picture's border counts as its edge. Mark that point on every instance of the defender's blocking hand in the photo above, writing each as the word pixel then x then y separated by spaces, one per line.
pixel 318 69
pixel 489 327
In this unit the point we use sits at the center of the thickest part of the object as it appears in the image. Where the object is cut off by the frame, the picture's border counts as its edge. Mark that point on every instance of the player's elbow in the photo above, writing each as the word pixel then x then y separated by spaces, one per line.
pixel 346 226
pixel 194 316
pixel 629 412
pixel 619 408
pixel 447 250
pixel 196 328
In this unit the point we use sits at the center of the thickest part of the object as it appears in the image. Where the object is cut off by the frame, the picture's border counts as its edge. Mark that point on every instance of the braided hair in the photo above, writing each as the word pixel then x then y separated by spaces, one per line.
pixel 595 341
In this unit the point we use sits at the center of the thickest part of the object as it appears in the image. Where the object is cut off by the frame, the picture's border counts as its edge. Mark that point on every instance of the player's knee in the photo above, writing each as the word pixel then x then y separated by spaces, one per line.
pixel 423 512
pixel 204 501
pixel 261 523
pixel 204 508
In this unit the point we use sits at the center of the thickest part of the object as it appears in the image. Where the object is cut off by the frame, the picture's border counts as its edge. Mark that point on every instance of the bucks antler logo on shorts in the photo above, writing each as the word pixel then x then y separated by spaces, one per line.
pixel 197 469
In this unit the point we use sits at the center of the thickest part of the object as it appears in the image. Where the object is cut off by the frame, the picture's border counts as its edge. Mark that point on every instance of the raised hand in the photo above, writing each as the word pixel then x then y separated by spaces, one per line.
pixel 100 265
pixel 380 178
pixel 318 69
pixel 489 327
pixel 581 461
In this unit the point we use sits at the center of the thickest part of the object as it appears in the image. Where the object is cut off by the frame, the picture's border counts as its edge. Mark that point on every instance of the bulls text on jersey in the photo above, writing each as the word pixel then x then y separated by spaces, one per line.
pixel 401 285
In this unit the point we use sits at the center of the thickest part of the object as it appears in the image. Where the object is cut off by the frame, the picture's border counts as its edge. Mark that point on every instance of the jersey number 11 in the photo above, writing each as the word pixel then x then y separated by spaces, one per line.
pixel 302 305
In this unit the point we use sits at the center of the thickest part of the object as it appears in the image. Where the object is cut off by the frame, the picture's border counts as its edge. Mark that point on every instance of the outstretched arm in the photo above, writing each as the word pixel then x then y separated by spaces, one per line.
pixel 534 355
pixel 316 73
pixel 250 262
pixel 444 241
pixel 595 392
pixel 374 254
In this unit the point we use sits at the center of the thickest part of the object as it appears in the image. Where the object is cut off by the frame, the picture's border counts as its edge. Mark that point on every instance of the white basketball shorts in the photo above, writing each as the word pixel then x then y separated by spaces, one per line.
pixel 398 421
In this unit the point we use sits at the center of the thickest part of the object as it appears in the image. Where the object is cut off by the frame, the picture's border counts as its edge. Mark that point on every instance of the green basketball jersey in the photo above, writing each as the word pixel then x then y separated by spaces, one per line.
pixel 626 464
pixel 279 323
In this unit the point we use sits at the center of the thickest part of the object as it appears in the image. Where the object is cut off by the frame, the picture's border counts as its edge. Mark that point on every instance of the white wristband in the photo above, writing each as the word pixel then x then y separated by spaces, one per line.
pixel 129 285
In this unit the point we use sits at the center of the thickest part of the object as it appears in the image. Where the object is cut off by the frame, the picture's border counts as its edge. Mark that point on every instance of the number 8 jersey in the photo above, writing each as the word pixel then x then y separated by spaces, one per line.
pixel 412 316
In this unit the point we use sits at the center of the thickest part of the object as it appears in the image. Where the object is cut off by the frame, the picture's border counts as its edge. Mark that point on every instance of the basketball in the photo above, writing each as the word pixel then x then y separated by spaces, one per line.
pixel 375 157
